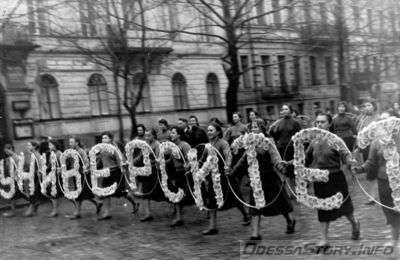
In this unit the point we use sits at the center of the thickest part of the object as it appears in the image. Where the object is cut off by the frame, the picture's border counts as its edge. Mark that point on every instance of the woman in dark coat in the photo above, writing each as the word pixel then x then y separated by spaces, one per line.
pixel 376 167
pixel 277 200
pixel 176 174
pixel 86 193
pixel 114 163
pixel 54 148
pixel 214 132
pixel 8 164
pixel 344 126
pixel 320 155
pixel 34 200
pixel 150 188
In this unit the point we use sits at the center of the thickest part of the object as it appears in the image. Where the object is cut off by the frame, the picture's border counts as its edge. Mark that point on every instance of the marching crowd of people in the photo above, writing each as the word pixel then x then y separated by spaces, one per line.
pixel 275 166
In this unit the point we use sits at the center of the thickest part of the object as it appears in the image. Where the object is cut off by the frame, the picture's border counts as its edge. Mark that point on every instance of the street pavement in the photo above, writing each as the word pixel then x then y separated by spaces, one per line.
pixel 125 237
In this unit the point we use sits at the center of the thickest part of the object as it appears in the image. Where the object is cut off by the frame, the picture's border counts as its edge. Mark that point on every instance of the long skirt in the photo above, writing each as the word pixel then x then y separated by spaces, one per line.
pixel 59 191
pixel 176 180
pixel 86 193
pixel 37 195
pixel 350 142
pixel 115 177
pixel 230 200
pixel 287 154
pixel 150 187
pixel 336 183
pixel 385 196
pixel 277 200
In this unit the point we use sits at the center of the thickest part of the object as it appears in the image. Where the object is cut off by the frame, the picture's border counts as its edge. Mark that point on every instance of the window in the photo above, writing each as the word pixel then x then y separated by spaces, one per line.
pixel 393 23
pixel 87 16
pixel 214 99
pixel 313 71
pixel 370 21
pixel 145 102
pixel 381 22
pixel 332 106
pixel 366 63
pixel 307 11
pixel 397 65
pixel 297 71
pixel 260 12
pixel 267 74
pixel 322 10
pixel 173 20
pixel 329 70
pixel 179 91
pixel 290 12
pixel 37 17
pixel 49 99
pixel 282 73
pixel 387 67
pixel 244 60
pixel 356 64
pixel 98 95
pixel 375 63
pixel 271 111
pixel 277 15
pixel 356 14
pixel 300 108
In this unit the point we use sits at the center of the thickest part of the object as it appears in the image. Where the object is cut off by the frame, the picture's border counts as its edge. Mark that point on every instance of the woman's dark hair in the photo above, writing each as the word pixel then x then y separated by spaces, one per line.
pixel 35 145
pixel 217 127
pixel 141 126
pixel 152 131
pixel 9 146
pixel 328 116
pixel 107 133
pixel 289 106
pixel 373 103
pixel 237 113
pixel 195 118
pixel 77 140
pixel 261 124
pixel 56 144
pixel 180 132
pixel 255 112
pixel 216 120
pixel 342 103
pixel 164 122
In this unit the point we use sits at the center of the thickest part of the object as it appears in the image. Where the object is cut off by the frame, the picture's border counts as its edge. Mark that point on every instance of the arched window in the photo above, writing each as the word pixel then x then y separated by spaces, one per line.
pixel 179 91
pixel 98 94
pixel 49 99
pixel 145 102
pixel 214 99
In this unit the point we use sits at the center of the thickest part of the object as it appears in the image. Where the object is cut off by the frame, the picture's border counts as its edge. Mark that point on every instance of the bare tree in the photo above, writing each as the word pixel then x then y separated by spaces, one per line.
pixel 122 47
pixel 230 23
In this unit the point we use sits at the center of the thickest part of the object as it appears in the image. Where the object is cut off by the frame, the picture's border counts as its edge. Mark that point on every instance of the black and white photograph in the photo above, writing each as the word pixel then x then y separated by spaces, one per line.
pixel 200 129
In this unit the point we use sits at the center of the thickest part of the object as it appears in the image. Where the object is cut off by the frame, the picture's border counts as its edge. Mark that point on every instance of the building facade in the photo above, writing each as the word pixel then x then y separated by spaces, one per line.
pixel 57 78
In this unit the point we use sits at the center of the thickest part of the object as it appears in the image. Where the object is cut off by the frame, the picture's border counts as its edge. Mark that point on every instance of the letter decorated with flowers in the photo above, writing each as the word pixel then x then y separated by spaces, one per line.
pixel 72 173
pixel 250 142
pixel 51 177
pixel 8 181
pixel 28 176
pixel 305 175
pixel 385 131
pixel 103 173
pixel 164 148
pixel 200 174
pixel 138 171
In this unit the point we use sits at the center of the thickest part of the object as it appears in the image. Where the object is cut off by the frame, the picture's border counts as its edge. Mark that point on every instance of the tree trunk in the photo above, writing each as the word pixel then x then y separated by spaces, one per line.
pixel 233 75
pixel 119 112
pixel 132 115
